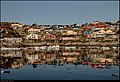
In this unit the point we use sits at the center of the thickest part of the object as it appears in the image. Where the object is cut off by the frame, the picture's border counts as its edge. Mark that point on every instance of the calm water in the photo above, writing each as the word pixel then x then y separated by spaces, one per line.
pixel 53 65
pixel 64 72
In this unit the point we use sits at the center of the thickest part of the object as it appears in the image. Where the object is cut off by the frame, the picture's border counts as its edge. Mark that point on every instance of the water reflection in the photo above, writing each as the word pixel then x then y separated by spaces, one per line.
pixel 18 58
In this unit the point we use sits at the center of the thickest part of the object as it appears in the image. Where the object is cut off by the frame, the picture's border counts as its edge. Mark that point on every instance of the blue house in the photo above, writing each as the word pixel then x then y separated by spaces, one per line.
pixel 88 32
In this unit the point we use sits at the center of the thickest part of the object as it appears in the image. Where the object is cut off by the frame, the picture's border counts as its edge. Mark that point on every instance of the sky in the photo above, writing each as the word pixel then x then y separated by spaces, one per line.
pixel 59 12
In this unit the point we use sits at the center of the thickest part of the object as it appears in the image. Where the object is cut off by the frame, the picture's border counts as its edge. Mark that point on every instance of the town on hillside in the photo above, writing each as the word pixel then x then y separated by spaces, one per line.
pixel 95 41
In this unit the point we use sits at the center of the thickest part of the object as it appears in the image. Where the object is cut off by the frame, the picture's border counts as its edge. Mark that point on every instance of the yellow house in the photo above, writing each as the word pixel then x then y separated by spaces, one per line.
pixel 100 33
pixel 109 32
pixel 70 32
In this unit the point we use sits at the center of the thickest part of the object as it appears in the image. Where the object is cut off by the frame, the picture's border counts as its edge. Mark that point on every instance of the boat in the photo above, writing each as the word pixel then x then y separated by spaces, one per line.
pixel 114 74
pixel 98 65
pixel 84 63
pixel 5 71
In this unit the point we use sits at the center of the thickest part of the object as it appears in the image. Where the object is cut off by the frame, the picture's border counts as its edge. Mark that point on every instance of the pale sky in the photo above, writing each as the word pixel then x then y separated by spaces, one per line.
pixel 59 12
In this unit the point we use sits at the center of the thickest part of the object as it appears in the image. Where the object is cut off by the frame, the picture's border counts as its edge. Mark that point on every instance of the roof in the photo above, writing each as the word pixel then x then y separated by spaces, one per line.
pixel 5 27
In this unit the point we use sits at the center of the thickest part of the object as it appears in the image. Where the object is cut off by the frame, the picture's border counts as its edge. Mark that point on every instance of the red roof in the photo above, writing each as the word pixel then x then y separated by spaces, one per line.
pixel 5 27
pixel 49 36
pixel 101 26
pixel 86 27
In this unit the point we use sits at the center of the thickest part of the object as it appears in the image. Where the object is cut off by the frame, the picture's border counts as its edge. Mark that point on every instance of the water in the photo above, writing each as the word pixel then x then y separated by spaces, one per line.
pixel 65 72
pixel 52 65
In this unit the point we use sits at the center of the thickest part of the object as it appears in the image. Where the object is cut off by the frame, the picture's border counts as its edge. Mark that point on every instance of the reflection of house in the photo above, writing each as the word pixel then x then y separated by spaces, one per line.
pixel 70 47
pixel 68 38
pixel 53 47
pixel 16 64
pixel 13 40
pixel 32 36
pixel 104 60
pixel 105 48
pixel 11 53
pixel 70 53
pixel 49 56
pixel 31 58
pixel 71 59
pixel 11 62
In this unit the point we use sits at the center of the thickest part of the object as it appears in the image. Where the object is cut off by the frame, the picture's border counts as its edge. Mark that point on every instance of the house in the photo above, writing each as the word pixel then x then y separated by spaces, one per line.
pixel 66 28
pixel 95 23
pixel 34 30
pixel 75 26
pixel 86 27
pixel 115 36
pixel 56 27
pixel 88 32
pixel 15 24
pixel 32 36
pixel 109 32
pixel 99 25
pixel 5 27
pixel 49 36
pixel 46 27
pixel 100 33
pixel 69 32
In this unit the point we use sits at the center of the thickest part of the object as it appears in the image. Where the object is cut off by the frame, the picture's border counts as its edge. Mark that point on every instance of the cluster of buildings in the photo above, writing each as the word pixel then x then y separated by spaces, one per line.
pixel 74 42
pixel 96 31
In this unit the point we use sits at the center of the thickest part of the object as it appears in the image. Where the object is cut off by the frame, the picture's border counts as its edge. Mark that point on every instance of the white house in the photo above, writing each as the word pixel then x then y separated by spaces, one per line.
pixel 17 25
pixel 100 33
pixel 13 39
pixel 32 36
pixel 33 30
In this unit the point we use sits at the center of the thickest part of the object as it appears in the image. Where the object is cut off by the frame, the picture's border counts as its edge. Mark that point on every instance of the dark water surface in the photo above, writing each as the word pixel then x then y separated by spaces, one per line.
pixel 65 72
